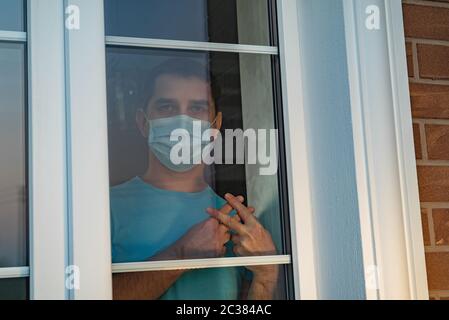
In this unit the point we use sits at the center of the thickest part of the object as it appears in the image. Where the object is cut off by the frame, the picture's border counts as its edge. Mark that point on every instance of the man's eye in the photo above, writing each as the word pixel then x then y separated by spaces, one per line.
pixel 165 108
pixel 198 109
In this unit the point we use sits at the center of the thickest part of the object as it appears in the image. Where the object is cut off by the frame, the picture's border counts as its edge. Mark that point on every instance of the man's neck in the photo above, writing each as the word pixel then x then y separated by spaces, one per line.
pixel 161 177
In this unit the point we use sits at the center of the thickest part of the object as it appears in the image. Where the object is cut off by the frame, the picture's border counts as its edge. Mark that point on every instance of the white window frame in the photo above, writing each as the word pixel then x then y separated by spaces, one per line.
pixel 299 179
pixel 69 190
pixel 390 224
pixel 47 150
pixel 384 152
pixel 195 263
pixel 87 152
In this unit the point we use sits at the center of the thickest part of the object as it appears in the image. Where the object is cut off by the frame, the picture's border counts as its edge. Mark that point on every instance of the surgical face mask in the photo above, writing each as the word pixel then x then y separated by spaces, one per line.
pixel 178 134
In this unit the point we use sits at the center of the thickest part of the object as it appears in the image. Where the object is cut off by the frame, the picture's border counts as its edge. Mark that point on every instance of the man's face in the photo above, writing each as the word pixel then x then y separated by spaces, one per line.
pixel 175 95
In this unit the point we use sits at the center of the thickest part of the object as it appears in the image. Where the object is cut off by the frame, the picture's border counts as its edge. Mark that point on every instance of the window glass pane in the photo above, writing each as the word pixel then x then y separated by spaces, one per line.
pixel 230 21
pixel 12 15
pixel 242 99
pixel 158 198
pixel 230 283
pixel 13 289
pixel 13 203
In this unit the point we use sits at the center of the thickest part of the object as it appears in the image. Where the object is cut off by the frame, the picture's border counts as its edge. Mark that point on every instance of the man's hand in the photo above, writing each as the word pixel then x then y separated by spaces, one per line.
pixel 251 238
pixel 206 239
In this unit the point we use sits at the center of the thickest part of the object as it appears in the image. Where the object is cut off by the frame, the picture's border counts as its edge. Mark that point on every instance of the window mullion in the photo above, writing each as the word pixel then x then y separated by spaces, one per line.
pixel 13 36
pixel 47 173
pixel 189 45
pixel 200 263
pixel 88 222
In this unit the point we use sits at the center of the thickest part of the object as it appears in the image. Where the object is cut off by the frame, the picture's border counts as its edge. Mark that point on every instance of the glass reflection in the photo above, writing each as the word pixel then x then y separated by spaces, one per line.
pixel 13 219
pixel 12 15
pixel 14 289
pixel 230 21
pixel 232 283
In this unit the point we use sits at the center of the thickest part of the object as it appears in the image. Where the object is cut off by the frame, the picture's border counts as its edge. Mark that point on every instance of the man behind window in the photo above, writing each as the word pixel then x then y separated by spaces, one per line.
pixel 171 213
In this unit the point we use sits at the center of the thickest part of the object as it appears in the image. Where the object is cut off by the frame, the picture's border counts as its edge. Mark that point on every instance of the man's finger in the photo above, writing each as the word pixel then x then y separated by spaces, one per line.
pixel 222 228
pixel 226 220
pixel 223 251
pixel 242 211
pixel 236 239
pixel 226 237
pixel 227 208
pixel 238 250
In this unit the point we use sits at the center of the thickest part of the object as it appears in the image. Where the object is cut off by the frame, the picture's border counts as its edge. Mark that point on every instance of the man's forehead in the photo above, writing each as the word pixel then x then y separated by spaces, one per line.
pixel 170 83
pixel 173 87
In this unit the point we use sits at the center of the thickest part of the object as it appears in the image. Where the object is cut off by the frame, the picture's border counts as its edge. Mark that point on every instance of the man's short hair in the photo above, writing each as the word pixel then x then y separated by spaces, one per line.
pixel 182 67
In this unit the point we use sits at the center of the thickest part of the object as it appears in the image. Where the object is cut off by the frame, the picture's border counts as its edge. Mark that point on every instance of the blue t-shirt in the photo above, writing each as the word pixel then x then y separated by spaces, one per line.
pixel 146 220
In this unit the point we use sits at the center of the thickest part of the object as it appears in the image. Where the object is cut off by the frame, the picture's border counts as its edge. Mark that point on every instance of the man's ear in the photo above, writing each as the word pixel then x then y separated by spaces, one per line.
pixel 218 120
pixel 142 122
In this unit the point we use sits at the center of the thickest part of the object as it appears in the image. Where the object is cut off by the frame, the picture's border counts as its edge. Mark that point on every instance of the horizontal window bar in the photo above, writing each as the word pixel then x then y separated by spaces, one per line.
pixel 13 36
pixel 199 263
pixel 189 45
pixel 18 272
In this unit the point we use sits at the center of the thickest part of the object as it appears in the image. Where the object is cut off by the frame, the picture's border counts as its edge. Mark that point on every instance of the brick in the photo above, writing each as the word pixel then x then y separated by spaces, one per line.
pixel 425 227
pixel 438 270
pixel 426 22
pixel 417 140
pixel 441 226
pixel 433 183
pixel 437 137
pixel 433 61
pixel 409 51
pixel 429 101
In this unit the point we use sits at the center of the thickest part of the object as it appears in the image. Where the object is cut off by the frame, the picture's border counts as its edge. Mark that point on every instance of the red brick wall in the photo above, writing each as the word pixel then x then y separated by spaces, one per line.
pixel 426 26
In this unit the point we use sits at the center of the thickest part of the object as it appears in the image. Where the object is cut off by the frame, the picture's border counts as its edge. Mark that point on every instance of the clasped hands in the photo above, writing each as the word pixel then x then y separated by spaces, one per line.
pixel 208 238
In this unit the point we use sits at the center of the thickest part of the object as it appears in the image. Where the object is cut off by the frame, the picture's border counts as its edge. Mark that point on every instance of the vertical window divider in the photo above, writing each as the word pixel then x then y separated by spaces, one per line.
pixel 296 141
pixel 46 136
pixel 88 174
